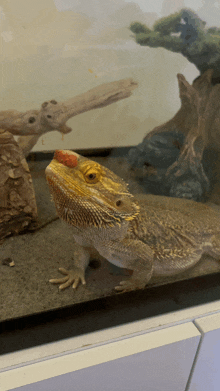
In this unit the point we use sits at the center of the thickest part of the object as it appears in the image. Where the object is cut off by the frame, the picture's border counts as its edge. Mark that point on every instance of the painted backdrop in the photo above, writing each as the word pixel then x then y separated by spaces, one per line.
pixel 56 49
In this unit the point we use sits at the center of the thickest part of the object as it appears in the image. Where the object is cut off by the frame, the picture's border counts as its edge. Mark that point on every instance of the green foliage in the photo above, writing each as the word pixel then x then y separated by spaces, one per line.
pixel 152 39
pixel 184 32
pixel 214 31
pixel 155 39
pixel 168 24
pixel 212 40
pixel 138 28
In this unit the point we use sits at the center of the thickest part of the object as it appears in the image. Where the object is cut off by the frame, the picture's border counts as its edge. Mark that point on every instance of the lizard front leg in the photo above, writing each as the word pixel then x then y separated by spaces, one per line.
pixel 130 254
pixel 77 273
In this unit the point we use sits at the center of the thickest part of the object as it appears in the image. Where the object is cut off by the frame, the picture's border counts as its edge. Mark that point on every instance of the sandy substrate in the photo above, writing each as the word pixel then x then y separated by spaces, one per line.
pixel 24 288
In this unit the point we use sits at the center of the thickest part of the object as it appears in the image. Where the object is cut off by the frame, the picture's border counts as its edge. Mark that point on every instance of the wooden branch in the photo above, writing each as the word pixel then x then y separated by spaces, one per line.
pixel 98 97
pixel 26 143
pixel 53 115
pixel 18 123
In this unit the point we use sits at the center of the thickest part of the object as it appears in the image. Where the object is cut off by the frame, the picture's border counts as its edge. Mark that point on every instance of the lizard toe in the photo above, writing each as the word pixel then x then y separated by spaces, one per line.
pixel 130 285
pixel 72 277
pixel 124 286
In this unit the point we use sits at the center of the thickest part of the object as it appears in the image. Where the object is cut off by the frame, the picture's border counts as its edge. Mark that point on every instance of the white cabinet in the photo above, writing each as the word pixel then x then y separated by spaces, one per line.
pixel 153 361
pixel 206 373
pixel 179 351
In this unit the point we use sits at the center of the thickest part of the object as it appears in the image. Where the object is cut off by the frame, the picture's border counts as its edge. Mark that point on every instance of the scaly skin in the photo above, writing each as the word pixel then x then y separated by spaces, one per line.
pixel 148 234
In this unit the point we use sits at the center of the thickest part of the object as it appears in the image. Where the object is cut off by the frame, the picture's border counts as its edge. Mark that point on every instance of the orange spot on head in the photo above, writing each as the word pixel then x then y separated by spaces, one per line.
pixel 65 158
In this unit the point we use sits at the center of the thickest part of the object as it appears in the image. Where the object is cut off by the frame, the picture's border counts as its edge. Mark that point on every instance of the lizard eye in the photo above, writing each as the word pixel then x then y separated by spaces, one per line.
pixel 118 202
pixel 92 177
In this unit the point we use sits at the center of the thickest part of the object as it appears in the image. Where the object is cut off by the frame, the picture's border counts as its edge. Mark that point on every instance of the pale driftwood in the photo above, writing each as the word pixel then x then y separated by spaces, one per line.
pixel 18 207
pixel 54 115
pixel 26 143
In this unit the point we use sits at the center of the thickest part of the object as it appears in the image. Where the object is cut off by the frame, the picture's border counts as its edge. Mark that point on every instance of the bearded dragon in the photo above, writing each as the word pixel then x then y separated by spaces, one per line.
pixel 147 234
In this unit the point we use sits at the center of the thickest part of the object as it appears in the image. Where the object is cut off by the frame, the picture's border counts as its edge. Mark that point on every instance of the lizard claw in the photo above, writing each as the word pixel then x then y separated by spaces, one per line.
pixel 129 285
pixel 72 277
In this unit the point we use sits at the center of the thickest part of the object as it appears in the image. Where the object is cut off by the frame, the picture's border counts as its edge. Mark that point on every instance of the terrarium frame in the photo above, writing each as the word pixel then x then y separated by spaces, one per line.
pixel 31 259
pixel 96 299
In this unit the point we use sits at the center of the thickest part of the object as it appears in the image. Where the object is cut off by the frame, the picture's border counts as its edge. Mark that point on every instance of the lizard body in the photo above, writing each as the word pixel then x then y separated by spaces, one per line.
pixel 146 233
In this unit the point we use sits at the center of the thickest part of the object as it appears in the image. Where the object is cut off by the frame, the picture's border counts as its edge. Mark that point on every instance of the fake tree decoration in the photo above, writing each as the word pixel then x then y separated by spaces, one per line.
pixel 181 142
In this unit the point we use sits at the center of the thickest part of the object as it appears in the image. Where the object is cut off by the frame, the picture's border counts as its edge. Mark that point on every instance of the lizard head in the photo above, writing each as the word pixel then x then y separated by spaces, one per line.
pixel 88 194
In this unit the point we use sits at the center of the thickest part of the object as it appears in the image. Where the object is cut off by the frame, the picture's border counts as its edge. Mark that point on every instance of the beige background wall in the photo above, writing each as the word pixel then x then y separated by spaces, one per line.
pixel 49 51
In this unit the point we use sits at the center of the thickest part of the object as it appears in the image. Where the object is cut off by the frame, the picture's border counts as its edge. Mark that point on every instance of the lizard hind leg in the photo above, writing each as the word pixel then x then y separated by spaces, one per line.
pixel 215 249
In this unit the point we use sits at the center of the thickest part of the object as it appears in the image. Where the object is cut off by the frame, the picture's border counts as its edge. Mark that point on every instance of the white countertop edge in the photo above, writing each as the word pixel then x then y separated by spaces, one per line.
pixel 85 341
pixel 83 359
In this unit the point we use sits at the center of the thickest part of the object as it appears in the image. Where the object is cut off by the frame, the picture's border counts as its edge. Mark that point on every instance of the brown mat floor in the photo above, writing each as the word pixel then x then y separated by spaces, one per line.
pixel 24 288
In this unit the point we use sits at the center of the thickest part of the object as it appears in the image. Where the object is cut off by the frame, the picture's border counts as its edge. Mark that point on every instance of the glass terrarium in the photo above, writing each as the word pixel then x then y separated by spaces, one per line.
pixel 133 87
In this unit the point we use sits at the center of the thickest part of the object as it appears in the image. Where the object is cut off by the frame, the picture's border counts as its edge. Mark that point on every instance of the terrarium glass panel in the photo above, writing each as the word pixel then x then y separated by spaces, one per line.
pixel 109 148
